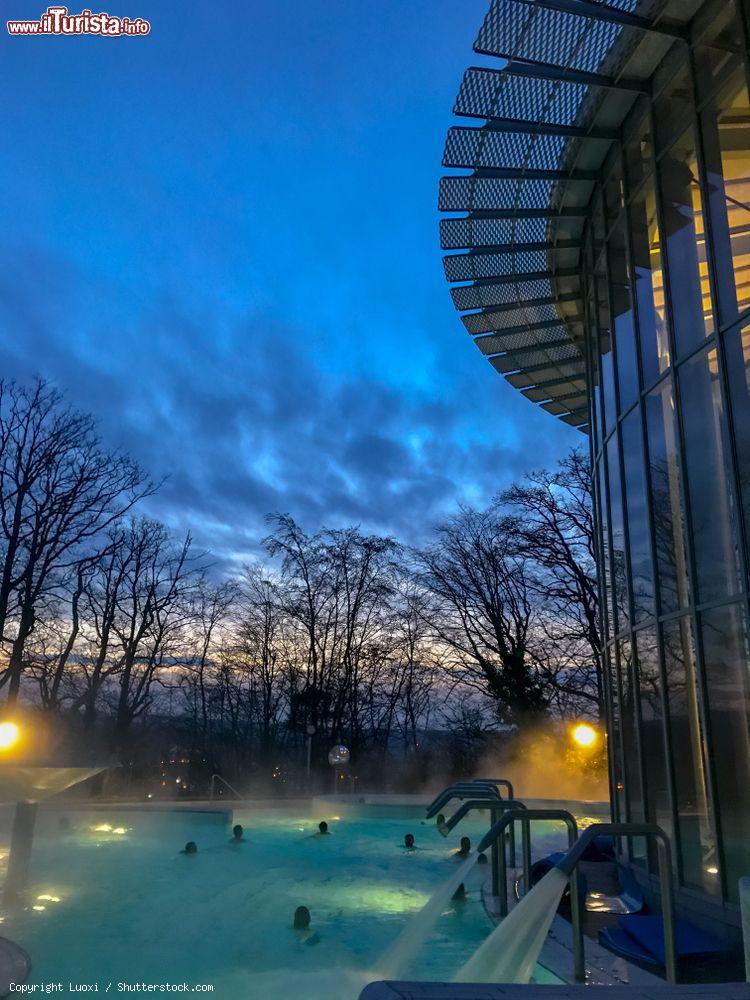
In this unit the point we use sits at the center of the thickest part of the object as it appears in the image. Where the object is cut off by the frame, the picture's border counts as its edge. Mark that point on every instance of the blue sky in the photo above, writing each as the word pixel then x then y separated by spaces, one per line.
pixel 222 240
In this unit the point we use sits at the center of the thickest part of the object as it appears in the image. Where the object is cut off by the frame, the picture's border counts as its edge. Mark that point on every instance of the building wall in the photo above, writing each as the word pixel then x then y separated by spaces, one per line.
pixel 667 276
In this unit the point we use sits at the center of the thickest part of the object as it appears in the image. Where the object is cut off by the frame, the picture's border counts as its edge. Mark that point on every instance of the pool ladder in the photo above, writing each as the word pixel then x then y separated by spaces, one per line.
pixel 212 792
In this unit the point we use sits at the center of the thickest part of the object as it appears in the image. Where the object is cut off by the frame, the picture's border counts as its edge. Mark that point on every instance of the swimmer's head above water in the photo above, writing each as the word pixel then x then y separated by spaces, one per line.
pixel 301 918
pixel 465 848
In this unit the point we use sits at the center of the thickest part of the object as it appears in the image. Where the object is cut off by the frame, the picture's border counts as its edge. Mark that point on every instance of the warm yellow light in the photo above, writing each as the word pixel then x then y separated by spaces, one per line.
pixel 9 735
pixel 585 735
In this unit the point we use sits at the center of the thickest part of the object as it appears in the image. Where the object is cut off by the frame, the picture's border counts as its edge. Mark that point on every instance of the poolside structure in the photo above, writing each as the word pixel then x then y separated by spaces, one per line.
pixel 599 255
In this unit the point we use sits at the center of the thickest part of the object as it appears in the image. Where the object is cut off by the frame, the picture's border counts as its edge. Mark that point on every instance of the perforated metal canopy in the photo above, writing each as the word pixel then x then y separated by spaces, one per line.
pixel 549 112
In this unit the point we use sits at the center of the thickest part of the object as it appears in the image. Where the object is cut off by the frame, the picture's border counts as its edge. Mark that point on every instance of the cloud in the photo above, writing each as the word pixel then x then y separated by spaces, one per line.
pixel 248 421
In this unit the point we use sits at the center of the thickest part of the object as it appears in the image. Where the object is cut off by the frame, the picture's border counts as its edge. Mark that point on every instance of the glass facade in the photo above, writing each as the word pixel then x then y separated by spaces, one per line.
pixel 666 293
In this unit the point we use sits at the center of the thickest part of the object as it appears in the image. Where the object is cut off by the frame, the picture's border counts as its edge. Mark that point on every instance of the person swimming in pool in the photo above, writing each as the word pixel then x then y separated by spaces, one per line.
pixel 323 830
pixel 464 849
pixel 409 842
pixel 190 848
pixel 301 925
pixel 237 834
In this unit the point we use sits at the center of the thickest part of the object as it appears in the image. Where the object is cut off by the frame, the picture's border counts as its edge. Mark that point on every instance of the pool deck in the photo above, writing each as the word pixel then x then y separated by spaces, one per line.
pixel 486 991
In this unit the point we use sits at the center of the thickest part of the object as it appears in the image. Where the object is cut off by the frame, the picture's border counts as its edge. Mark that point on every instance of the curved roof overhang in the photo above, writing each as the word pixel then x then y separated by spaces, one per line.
pixel 549 114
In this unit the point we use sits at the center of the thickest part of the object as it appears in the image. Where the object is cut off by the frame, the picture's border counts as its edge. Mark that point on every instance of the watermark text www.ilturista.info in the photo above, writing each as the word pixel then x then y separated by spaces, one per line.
pixel 57 21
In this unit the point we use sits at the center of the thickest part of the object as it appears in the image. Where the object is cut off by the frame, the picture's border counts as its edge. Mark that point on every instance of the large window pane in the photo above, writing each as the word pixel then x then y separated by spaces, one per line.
pixel 630 750
pixel 686 246
pixel 641 573
pixel 708 475
pixel 726 656
pixel 615 738
pixel 666 501
pixel 617 527
pixel 726 130
pixel 622 316
pixel 606 357
pixel 717 47
pixel 697 848
pixel 674 104
pixel 653 736
pixel 737 351
pixel 639 150
pixel 649 284
pixel 604 560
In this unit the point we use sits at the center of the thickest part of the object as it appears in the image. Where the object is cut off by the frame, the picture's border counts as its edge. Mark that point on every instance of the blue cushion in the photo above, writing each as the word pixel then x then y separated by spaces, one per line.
pixel 627 947
pixel 648 934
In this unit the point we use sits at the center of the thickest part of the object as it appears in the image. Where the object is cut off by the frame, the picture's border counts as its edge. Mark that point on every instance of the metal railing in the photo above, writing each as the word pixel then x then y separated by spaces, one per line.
pixel 498 856
pixel 569 865
pixel 212 791
pixel 664 858
pixel 461 790
pixel 496 839
pixel 499 781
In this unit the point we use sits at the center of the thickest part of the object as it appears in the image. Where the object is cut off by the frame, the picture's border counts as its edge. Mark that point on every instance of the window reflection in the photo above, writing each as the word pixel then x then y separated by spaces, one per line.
pixel 615 733
pixel 606 359
pixel 666 501
pixel 649 284
pixel 708 477
pixel 637 507
pixel 726 128
pixel 622 315
pixel 658 806
pixel 619 574
pixel 697 847
pixel 685 244
pixel 639 151
pixel 631 756
pixel 606 567
pixel 726 655
pixel 737 348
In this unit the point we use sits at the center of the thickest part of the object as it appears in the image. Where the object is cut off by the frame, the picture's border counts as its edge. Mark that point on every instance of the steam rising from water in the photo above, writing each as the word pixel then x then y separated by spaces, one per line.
pixel 542 763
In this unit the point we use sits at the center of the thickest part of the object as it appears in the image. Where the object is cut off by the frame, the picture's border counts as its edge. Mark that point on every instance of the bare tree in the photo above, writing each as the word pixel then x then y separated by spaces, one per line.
pixel 59 490
pixel 152 608
pixel 482 610
pixel 551 518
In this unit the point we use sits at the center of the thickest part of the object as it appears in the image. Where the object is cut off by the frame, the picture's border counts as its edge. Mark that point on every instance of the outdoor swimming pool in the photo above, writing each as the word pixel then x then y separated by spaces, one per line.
pixel 113 900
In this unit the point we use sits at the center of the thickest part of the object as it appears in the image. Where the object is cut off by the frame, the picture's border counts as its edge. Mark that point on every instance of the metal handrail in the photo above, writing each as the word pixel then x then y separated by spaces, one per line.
pixel 463 790
pixel 214 778
pixel 496 839
pixel 483 783
pixel 498 857
pixel 500 781
pixel 664 856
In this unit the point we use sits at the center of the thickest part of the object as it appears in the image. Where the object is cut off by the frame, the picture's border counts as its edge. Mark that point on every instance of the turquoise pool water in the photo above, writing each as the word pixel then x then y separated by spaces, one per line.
pixel 113 901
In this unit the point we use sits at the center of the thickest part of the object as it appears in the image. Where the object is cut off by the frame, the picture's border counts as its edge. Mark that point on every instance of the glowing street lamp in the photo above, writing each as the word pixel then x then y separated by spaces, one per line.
pixel 584 735
pixel 9 735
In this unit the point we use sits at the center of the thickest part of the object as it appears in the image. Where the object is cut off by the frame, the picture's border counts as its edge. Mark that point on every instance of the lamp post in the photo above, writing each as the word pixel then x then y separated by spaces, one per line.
pixel 337 756
pixel 310 734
